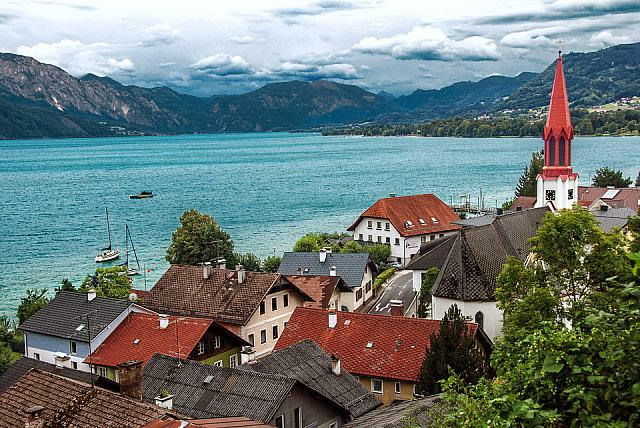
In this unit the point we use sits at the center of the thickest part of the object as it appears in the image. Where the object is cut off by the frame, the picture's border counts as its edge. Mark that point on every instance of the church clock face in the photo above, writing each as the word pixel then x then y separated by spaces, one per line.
pixel 570 194
pixel 550 195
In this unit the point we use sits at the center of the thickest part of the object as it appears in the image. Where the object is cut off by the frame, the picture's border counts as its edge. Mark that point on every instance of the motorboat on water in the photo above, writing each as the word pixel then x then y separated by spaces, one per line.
pixel 108 253
pixel 142 195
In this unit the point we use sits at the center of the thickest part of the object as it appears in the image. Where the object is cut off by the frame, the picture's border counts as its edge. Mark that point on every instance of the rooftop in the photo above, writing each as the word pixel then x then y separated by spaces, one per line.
pixel 235 422
pixel 396 415
pixel 369 345
pixel 432 254
pixel 319 287
pixel 349 266
pixel 613 217
pixel 70 314
pixel 413 215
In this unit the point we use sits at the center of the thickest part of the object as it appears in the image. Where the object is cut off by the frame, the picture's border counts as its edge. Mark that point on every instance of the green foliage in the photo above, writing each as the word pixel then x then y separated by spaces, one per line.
pixel 527 184
pixel 65 285
pixel 10 335
pixel 271 264
pixel 637 183
pixel 314 242
pixel 452 349
pixel 7 357
pixel 606 176
pixel 424 299
pixel 382 277
pixel 198 239
pixel 249 261
pixel 634 230
pixel 379 253
pixel 506 205
pixel 108 282
pixel 31 302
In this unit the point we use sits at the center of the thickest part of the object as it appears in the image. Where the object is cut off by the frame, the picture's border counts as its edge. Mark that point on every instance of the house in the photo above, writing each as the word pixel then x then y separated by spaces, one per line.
pixel 325 290
pixel 357 270
pixel 610 218
pixel 306 362
pixel 523 203
pixel 140 336
pixel 470 263
pixel 65 330
pixel 40 399
pixel 404 223
pixel 385 352
pixel 253 305
pixel 235 422
pixel 628 197
pixel 204 391
pixel 398 414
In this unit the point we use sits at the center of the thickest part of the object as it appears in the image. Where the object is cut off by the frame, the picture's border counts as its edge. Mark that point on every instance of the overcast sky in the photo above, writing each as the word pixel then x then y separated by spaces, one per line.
pixel 220 47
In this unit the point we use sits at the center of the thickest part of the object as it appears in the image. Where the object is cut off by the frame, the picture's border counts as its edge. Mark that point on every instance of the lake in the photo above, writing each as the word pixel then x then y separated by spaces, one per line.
pixel 264 189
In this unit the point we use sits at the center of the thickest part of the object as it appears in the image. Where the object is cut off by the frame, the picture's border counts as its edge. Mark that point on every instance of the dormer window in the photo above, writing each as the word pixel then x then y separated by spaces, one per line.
pixel 434 220
pixel 408 224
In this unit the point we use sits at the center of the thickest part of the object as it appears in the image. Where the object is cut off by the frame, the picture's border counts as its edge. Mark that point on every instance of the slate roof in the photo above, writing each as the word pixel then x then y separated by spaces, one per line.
pixel 398 344
pixel 230 392
pixel 63 315
pixel 399 209
pixel 397 414
pixel 349 266
pixel 613 217
pixel 182 290
pixel 477 255
pixel 481 220
pixel 319 287
pixel 306 362
pixel 139 337
pixel 16 370
pixel 432 254
pixel 60 397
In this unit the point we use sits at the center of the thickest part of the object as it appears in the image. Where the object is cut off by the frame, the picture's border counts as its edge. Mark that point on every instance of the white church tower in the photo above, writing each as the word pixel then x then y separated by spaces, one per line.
pixel 558 184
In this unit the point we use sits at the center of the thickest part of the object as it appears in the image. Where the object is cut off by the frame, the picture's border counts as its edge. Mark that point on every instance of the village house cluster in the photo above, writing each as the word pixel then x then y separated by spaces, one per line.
pixel 312 345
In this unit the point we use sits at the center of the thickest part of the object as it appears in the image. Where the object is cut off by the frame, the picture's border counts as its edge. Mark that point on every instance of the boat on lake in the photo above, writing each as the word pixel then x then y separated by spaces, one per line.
pixel 142 195
pixel 107 253
pixel 135 270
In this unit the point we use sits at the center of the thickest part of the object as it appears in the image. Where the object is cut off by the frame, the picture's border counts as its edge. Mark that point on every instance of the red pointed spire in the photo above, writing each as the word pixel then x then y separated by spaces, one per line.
pixel 558 118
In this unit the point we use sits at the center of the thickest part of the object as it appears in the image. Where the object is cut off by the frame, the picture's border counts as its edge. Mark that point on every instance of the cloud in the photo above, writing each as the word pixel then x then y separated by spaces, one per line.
pixel 605 38
pixel 160 34
pixel 430 44
pixel 223 65
pixel 73 5
pixel 317 8
pixel 79 58
pixel 537 37
pixel 244 40
pixel 6 17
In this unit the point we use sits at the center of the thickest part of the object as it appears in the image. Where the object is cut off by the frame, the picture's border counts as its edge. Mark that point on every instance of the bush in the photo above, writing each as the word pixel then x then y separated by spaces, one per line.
pixel 384 275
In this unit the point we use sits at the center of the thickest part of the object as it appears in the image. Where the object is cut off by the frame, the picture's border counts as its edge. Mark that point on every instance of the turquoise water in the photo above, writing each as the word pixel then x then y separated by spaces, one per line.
pixel 265 189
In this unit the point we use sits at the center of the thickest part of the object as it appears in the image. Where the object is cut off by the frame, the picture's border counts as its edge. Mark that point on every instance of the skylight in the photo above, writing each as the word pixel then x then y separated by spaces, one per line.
pixel 347 322
pixel 208 379
pixel 610 194
pixel 433 219
pixel 408 224
pixel 136 341
pixel 421 220
pixel 369 344
pixel 80 327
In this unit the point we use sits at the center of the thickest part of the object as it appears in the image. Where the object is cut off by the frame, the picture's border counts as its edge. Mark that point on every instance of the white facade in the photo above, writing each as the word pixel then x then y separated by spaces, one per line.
pixel 491 315
pixel 381 231
pixel 563 194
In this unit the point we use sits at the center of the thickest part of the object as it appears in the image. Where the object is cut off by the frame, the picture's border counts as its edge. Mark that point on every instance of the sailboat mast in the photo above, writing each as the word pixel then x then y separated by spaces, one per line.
pixel 126 243
pixel 133 247
pixel 108 226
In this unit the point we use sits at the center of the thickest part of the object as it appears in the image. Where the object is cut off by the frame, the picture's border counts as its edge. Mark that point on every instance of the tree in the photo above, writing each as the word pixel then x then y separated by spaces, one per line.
pixel 428 279
pixel 379 253
pixel 108 282
pixel 271 264
pixel 31 303
pixel 638 180
pixel 453 349
pixel 198 239
pixel 65 285
pixel 249 261
pixel 7 357
pixel 309 243
pixel 528 182
pixel 606 177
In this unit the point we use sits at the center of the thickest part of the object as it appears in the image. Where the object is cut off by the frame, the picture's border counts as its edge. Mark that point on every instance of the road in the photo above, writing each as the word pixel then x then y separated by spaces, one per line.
pixel 400 288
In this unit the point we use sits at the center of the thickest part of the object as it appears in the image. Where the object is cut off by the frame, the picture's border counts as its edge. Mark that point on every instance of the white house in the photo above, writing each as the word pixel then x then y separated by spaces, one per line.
pixel 405 223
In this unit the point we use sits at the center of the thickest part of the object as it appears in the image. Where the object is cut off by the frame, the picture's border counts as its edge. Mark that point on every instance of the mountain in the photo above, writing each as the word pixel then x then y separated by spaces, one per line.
pixel 593 78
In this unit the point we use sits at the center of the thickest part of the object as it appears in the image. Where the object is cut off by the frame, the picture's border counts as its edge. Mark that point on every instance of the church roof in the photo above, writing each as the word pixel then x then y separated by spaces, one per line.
pixel 558 117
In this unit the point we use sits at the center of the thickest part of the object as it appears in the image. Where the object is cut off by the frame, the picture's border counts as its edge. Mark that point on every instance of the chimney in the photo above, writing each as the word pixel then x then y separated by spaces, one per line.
pixel 327 250
pixel 91 294
pixel 206 270
pixel 248 355
pixel 130 374
pixel 164 400
pixel 332 271
pixel 323 255
pixel 221 264
pixel 164 321
pixel 397 308
pixel 333 318
pixel 242 274
pixel 60 359
pixel 335 364
pixel 33 417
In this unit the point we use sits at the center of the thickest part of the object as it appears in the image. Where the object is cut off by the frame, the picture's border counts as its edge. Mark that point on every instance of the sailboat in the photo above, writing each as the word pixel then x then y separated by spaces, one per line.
pixel 130 270
pixel 107 253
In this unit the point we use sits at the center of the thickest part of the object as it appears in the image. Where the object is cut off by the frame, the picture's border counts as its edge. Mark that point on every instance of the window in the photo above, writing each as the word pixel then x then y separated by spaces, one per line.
pixel 280 421
pixel 263 336
pixel 233 361
pixel 570 194
pixel 297 417
pixel 397 241
pixel 379 225
pixel 552 151
pixel 379 238
pixel 408 224
pixel 217 342
pixel 421 220
pixel 370 238
pixel 218 364
pixel 479 318
pixel 369 224
pixel 359 294
pixel 262 309
pixel 102 371
pixel 441 235
pixel 201 347
pixel 561 149
pixel 36 356
pixel 74 365
pixel 550 195
pixel 388 241
pixel 376 386
pixel 368 286
pixel 251 339
pixel 285 300
pixel 274 332
pixel 397 387
pixel 423 239
pixel 73 347
pixel 333 425
pixel 386 226
pixel 274 303
pixel 360 238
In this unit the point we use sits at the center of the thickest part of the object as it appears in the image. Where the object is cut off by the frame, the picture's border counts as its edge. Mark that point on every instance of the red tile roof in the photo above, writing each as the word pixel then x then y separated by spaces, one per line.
pixel 399 209
pixel 233 422
pixel 121 347
pixel 319 287
pixel 398 344
pixel 524 202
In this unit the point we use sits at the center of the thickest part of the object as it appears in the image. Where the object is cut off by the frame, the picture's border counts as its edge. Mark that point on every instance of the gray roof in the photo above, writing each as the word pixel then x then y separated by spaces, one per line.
pixel 24 364
pixel 613 217
pixel 401 414
pixel 481 220
pixel 432 254
pixel 309 364
pixel 349 266
pixel 230 392
pixel 477 255
pixel 63 315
